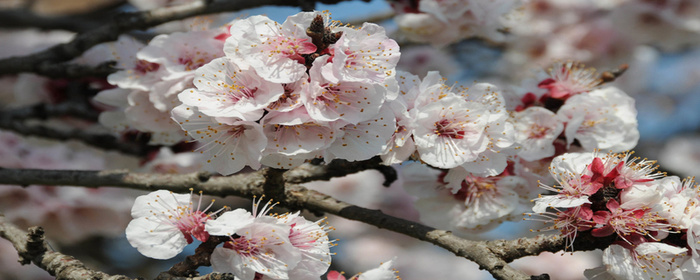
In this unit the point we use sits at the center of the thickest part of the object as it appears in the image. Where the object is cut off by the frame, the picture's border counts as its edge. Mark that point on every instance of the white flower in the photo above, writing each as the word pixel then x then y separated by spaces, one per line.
pixel 275 51
pixel 383 272
pixel 164 223
pixel 295 132
pixel 363 55
pixel 182 53
pixel 349 101
pixel 135 73
pixel 363 140
pixel 230 143
pixel 224 89
pixel 536 129
pixel 450 131
pixel 262 246
pixel 312 240
pixel 143 116
pixel 601 119
pixel 572 191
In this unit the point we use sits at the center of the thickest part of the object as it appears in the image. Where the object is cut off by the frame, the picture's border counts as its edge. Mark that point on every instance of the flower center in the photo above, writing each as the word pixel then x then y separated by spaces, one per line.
pixel 244 246
pixel 143 67
pixel 446 128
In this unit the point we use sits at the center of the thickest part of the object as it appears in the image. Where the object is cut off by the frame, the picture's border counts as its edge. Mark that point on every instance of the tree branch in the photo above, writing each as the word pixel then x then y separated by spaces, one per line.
pixel 339 168
pixel 71 70
pixel 249 184
pixel 22 18
pixel 102 141
pixel 31 247
pixel 123 23
pixel 44 111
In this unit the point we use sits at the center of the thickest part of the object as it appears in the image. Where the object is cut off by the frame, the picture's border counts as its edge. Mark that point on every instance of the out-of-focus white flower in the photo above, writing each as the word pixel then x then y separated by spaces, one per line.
pixel 383 272
pixel 649 260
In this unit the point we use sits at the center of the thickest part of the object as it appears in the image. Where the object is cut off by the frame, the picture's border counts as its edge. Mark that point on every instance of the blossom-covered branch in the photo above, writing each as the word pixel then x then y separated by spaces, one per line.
pixel 124 23
pixel 250 184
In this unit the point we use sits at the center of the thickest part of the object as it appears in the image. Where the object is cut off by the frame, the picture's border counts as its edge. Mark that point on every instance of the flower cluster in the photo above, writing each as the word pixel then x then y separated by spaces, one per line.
pixel 151 77
pixel 451 126
pixel 285 246
pixel 569 98
pixel 286 93
pixel 649 218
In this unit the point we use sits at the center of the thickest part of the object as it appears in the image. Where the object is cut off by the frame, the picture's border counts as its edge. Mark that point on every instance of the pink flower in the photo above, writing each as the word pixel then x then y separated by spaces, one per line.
pixel 626 222
pixel 568 79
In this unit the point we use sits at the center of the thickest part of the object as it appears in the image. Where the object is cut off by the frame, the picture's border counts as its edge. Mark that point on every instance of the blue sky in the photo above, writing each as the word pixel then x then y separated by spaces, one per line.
pixel 343 11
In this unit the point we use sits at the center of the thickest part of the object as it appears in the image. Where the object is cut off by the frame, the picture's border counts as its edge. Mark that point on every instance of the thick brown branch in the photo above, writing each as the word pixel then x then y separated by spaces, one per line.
pixel 21 18
pixel 510 250
pixel 124 23
pixel 44 111
pixel 102 141
pixel 70 70
pixel 250 184
pixel 274 183
pixel 31 247
pixel 339 168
